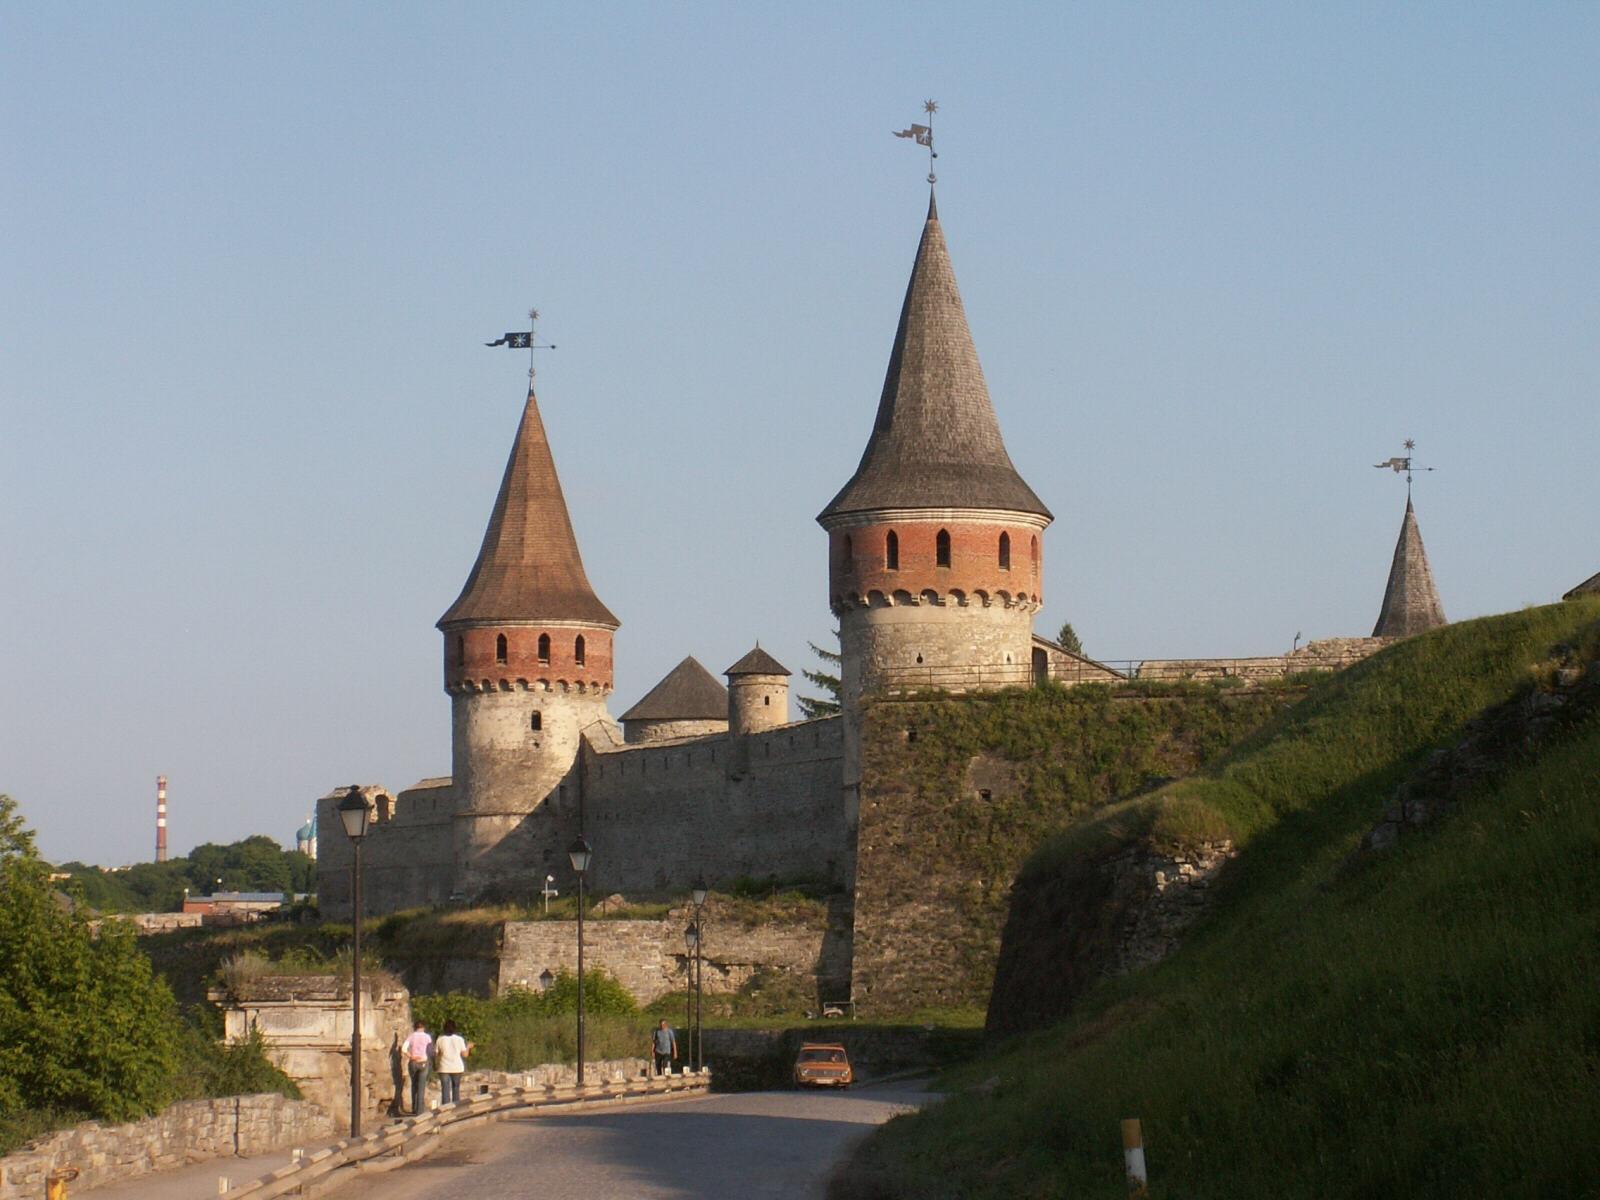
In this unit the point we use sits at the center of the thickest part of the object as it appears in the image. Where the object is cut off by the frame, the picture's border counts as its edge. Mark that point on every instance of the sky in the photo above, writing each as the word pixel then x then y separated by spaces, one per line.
pixel 1218 260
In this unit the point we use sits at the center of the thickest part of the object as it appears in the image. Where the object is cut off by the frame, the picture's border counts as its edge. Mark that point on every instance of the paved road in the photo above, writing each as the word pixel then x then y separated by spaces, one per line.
pixel 745 1145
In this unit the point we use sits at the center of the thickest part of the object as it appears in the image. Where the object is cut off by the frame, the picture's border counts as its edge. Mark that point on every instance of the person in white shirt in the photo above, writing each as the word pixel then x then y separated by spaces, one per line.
pixel 452 1050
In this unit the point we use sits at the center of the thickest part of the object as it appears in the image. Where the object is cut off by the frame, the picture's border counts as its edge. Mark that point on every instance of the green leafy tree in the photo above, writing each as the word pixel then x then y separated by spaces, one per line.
pixel 827 679
pixel 86 1024
pixel 1067 639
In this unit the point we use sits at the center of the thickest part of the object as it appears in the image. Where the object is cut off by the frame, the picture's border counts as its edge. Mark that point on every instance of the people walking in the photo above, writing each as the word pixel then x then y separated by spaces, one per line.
pixel 665 1043
pixel 416 1048
pixel 451 1050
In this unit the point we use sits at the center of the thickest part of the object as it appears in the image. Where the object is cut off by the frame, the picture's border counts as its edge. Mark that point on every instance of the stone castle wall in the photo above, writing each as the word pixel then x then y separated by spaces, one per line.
pixel 649 957
pixel 407 858
pixel 759 805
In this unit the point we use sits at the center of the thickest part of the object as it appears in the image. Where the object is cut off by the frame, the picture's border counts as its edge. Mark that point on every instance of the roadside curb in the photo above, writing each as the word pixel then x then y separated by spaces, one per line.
pixel 406 1140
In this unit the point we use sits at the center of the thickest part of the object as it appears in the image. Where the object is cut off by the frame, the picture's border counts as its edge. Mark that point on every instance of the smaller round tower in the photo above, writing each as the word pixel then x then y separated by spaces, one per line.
pixel 758 693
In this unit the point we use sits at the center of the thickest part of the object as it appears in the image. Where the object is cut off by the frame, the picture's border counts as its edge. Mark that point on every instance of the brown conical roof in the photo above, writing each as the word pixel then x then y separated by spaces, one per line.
pixel 528 568
pixel 936 443
pixel 1410 602
pixel 1590 586
pixel 758 662
pixel 688 693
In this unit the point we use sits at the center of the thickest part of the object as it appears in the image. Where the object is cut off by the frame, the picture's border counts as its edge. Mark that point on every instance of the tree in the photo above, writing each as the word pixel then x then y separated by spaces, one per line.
pixel 817 706
pixel 85 1024
pixel 1067 639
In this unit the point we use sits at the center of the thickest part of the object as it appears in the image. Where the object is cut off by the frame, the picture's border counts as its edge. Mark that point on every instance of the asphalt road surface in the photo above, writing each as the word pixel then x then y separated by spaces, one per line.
pixel 727 1147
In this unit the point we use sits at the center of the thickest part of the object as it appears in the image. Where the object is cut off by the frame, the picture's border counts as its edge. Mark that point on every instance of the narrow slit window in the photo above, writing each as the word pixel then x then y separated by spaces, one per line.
pixel 577 650
pixel 536 722
pixel 848 557
pixel 942 548
pixel 461 649
pixel 544 648
pixel 891 552
pixel 1005 552
pixel 500 648
pixel 1036 552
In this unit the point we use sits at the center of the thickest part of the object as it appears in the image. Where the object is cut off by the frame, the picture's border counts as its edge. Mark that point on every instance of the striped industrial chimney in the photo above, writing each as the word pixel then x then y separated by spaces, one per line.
pixel 161 818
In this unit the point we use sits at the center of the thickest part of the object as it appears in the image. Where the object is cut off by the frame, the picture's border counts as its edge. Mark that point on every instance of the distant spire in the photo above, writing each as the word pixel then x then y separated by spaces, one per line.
pixel 1410 601
pixel 528 567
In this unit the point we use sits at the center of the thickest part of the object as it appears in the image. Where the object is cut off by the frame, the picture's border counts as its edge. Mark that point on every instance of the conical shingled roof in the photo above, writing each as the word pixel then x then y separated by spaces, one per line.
pixel 528 568
pixel 1410 602
pixel 688 693
pixel 936 443
pixel 758 662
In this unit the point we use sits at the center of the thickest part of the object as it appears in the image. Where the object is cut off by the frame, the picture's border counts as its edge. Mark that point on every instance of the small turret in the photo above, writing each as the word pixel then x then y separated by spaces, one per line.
pixel 758 693
pixel 1410 600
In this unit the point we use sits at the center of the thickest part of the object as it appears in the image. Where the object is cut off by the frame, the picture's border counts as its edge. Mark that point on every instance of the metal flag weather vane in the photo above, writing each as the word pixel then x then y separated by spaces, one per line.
pixel 524 341
pixel 924 136
pixel 1403 463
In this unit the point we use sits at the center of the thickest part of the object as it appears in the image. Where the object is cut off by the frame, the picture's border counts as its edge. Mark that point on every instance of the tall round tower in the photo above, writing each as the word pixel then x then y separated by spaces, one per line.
pixel 528 665
pixel 934 566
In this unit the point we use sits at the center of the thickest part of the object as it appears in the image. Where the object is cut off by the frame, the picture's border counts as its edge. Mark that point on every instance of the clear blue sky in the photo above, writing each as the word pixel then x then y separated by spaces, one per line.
pixel 1218 260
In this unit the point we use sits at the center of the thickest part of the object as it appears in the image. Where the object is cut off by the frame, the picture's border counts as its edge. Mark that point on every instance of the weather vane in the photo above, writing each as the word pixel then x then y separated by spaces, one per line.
pixel 524 341
pixel 924 136
pixel 1403 463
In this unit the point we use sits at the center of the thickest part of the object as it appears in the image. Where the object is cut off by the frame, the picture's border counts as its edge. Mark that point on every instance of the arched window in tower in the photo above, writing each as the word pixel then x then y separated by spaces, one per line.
pixel 891 552
pixel 848 555
pixel 500 648
pixel 941 548
pixel 536 722
pixel 461 649
pixel 1005 552
pixel 577 650
pixel 544 649
pixel 1034 550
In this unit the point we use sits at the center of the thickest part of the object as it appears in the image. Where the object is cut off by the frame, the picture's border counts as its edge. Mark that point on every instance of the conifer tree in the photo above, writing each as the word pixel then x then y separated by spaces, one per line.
pixel 826 679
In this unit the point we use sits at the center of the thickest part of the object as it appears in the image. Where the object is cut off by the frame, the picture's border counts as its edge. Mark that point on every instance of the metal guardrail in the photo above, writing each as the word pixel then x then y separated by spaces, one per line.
pixel 399 1137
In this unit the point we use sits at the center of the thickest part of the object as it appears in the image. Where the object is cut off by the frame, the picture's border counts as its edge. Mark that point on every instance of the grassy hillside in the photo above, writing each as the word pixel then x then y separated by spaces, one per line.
pixel 1423 1022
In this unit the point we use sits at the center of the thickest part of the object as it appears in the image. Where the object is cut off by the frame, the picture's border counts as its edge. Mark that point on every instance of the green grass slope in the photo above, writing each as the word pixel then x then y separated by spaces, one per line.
pixel 1423 1023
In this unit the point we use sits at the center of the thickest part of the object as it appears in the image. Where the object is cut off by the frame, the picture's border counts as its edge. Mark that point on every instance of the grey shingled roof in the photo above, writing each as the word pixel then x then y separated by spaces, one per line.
pixel 1590 586
pixel 758 662
pixel 688 693
pixel 528 568
pixel 1410 601
pixel 936 442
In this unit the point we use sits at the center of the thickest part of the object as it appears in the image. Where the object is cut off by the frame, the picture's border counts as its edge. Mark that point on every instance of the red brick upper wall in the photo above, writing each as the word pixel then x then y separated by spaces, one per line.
pixel 473 655
pixel 858 559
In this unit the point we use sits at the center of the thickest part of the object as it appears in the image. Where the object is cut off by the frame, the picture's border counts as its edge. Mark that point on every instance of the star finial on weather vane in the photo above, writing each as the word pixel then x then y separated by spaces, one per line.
pixel 924 136
pixel 524 341
pixel 1403 463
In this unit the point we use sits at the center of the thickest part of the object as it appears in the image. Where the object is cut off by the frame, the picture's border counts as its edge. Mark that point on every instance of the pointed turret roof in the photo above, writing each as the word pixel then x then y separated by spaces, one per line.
pixel 688 693
pixel 528 568
pixel 935 443
pixel 1410 602
pixel 1590 586
pixel 758 662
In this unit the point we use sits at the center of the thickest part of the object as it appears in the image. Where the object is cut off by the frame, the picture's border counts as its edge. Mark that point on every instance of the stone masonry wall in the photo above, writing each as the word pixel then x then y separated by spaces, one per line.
pixel 648 957
pixel 188 1132
pixel 760 805
pixel 407 858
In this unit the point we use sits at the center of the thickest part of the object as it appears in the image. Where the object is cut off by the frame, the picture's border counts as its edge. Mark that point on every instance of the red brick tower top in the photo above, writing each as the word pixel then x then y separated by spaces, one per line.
pixel 527 605
pixel 935 443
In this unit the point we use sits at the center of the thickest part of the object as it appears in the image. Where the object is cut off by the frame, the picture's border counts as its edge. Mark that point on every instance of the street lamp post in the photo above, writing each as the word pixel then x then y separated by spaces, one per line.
pixel 353 812
pixel 691 939
pixel 580 854
pixel 697 893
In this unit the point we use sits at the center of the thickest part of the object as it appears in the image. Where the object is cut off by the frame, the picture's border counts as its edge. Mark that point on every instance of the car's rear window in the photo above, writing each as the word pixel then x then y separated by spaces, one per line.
pixel 830 1056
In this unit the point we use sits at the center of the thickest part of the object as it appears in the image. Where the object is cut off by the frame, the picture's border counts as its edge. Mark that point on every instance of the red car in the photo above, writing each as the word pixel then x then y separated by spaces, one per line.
pixel 822 1064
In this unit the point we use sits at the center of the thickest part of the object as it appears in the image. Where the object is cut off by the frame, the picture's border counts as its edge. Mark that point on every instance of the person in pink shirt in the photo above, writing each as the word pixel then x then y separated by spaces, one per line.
pixel 416 1049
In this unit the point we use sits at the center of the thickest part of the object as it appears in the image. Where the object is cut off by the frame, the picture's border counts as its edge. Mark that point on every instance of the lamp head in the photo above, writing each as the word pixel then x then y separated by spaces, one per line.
pixel 353 812
pixel 698 890
pixel 580 854
pixel 691 935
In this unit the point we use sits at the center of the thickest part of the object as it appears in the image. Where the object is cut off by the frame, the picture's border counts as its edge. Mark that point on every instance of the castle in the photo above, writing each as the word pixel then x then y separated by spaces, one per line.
pixel 935 549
